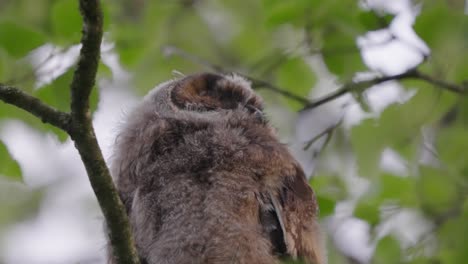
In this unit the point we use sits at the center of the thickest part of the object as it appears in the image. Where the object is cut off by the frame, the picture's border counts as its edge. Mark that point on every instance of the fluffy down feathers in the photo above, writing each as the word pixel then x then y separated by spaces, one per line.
pixel 205 180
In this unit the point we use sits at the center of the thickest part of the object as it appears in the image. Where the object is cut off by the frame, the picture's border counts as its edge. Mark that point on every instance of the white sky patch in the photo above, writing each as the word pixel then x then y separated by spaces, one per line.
pixel 28 146
pixel 51 61
pixel 114 103
pixel 58 235
pixel 409 227
pixel 393 7
pixel 385 55
pixel 351 236
pixel 383 95
pixel 392 162
pixel 398 48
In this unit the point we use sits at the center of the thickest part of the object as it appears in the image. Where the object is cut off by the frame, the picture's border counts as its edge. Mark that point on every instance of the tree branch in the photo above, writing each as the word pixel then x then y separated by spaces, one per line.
pixel 78 124
pixel 256 83
pixel 85 73
pixel 411 74
pixel 460 89
pixel 352 86
pixel 82 133
pixel 310 104
pixel 328 132
pixel 14 96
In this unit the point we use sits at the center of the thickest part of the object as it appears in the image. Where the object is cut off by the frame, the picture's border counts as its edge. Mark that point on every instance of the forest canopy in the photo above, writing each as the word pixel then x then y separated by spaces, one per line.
pixel 371 96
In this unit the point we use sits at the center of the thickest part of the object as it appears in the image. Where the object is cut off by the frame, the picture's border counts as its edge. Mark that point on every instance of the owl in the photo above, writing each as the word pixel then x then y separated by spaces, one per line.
pixel 204 178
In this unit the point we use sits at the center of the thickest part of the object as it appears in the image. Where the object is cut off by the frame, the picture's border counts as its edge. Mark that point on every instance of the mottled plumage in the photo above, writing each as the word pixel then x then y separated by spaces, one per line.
pixel 205 180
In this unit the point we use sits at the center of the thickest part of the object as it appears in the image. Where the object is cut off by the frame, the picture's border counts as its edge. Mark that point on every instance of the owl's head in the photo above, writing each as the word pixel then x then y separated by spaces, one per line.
pixel 207 92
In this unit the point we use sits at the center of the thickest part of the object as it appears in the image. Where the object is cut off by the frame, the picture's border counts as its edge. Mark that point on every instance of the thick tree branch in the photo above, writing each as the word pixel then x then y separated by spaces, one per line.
pixel 79 126
pixel 85 72
pixel 82 132
pixel 14 96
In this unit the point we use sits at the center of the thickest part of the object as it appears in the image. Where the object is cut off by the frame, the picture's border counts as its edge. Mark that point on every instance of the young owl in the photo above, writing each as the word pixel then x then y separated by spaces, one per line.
pixel 204 178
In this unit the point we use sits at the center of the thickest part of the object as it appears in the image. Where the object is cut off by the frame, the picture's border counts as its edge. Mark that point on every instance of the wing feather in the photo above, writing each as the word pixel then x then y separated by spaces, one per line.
pixel 289 217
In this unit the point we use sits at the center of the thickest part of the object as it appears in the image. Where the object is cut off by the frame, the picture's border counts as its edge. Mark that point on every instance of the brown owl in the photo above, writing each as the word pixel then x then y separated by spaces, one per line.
pixel 205 180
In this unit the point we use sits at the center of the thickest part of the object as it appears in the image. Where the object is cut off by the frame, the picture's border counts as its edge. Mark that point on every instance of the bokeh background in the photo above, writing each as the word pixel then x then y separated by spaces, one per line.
pixel 388 161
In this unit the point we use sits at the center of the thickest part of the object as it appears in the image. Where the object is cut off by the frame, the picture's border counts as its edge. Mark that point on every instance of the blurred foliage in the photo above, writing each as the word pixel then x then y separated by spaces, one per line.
pixel 8 166
pixel 18 202
pixel 274 40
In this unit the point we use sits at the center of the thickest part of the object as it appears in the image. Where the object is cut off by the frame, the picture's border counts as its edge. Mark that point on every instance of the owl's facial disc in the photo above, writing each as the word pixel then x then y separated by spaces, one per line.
pixel 211 92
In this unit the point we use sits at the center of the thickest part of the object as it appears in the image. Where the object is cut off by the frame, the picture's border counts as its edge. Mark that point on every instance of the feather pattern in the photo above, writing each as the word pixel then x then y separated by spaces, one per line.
pixel 205 180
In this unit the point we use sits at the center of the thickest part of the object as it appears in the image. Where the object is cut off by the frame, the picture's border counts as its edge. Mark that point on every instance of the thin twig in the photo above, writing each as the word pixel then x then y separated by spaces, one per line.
pixel 345 88
pixel 328 131
pixel 460 89
pixel 361 85
pixel 256 83
pixel 353 86
pixel 14 96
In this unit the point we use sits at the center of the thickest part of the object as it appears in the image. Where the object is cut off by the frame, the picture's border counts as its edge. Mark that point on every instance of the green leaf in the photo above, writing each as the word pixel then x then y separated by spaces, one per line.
pixel 326 206
pixel 297 77
pixel 372 21
pixel 130 45
pixel 16 72
pixel 368 210
pixel 340 26
pixel 447 38
pixel 19 202
pixel 57 93
pixel 330 186
pixel 341 54
pixel 8 166
pixel 66 21
pixel 388 251
pixel 452 239
pixel 19 40
pixel 368 144
pixel 3 65
pixel 437 190
pixel 398 127
pixel 281 12
pixel 398 189
pixel 452 144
